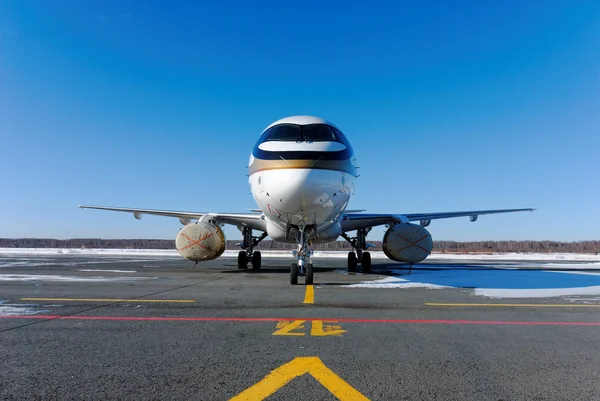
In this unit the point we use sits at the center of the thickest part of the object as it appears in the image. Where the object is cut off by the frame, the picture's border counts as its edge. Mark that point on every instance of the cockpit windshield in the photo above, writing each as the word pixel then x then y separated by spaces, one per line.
pixel 304 133
pixel 318 132
pixel 285 132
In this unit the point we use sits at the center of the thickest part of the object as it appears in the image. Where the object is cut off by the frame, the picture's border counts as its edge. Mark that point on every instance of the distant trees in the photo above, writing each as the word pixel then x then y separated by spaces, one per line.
pixel 438 246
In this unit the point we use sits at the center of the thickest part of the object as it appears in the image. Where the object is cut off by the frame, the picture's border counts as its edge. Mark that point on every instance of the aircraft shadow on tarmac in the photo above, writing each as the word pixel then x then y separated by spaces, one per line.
pixel 505 275
pixel 276 269
pixel 496 275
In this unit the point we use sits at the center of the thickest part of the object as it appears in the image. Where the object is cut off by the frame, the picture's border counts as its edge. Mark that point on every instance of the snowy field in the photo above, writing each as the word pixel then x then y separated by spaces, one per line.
pixel 510 275
pixel 319 254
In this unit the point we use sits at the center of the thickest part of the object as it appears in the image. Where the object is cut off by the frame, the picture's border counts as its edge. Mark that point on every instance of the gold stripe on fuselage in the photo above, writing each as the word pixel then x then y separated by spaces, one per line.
pixel 344 166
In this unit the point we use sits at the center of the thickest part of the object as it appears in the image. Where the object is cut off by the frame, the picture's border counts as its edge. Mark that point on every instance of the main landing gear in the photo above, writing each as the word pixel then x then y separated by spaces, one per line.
pixel 249 254
pixel 359 243
pixel 303 266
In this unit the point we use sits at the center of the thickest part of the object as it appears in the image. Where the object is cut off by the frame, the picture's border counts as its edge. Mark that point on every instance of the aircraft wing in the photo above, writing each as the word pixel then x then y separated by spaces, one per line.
pixel 251 220
pixel 355 221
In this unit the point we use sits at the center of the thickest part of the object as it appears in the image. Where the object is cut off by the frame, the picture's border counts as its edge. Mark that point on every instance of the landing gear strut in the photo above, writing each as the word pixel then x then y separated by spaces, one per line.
pixel 303 266
pixel 249 254
pixel 359 243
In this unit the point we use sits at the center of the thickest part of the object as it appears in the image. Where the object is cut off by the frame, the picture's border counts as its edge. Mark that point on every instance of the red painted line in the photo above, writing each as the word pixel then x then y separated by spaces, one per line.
pixel 278 319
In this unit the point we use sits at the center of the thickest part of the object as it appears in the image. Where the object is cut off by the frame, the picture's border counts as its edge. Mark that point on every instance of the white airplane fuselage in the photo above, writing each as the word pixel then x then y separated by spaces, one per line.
pixel 302 173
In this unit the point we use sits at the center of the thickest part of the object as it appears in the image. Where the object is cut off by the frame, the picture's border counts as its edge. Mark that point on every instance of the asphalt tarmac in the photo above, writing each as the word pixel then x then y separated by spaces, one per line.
pixel 154 328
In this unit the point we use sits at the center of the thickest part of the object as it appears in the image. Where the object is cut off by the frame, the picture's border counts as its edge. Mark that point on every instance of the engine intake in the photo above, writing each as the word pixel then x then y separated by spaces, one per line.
pixel 200 241
pixel 407 243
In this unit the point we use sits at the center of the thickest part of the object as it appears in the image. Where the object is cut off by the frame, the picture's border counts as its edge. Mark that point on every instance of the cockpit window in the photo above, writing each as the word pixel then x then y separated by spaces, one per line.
pixel 318 133
pixel 304 133
pixel 340 137
pixel 285 132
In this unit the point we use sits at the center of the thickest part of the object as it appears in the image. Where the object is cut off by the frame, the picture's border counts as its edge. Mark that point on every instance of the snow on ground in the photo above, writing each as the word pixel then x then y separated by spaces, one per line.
pixel 536 292
pixel 508 275
pixel 318 254
pixel 523 280
pixel 89 252
pixel 61 278
pixel 394 282
pixel 104 270
pixel 518 256
pixel 18 309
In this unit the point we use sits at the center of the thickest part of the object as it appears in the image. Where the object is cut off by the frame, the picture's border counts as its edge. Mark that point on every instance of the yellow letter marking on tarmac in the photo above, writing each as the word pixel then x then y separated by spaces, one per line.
pixel 318 328
pixel 285 328
pixel 298 367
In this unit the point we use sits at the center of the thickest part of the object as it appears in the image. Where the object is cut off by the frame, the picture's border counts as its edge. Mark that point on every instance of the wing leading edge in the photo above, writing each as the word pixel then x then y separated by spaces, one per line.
pixel 356 221
pixel 251 220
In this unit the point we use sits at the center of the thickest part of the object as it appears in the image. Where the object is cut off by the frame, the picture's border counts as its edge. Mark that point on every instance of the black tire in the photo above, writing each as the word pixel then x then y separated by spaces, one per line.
pixel 309 274
pixel 294 274
pixel 256 260
pixel 366 262
pixel 352 262
pixel 242 260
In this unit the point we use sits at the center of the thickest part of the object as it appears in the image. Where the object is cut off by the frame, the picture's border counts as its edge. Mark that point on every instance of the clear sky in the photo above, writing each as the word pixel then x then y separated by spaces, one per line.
pixel 450 105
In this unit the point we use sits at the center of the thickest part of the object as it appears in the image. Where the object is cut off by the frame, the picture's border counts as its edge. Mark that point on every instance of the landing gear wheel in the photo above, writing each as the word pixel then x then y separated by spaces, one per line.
pixel 366 262
pixel 242 260
pixel 256 260
pixel 352 262
pixel 309 274
pixel 294 274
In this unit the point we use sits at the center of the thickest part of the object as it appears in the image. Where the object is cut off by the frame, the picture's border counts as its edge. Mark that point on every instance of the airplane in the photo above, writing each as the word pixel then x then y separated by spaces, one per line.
pixel 302 172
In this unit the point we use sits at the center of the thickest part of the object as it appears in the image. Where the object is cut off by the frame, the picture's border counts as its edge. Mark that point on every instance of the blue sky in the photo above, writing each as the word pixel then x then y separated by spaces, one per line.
pixel 449 105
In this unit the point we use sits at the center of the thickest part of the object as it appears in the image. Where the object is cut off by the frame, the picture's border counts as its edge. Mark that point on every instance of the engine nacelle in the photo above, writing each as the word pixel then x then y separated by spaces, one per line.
pixel 200 242
pixel 407 243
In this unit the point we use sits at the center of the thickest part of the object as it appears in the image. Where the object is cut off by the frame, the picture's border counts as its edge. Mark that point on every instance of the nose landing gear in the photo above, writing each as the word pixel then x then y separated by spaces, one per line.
pixel 303 266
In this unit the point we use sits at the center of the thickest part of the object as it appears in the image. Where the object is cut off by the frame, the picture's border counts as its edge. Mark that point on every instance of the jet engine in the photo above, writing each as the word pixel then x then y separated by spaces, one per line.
pixel 200 241
pixel 407 243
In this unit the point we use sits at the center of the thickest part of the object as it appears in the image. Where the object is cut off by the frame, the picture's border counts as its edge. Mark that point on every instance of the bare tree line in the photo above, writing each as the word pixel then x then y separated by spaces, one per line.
pixel 438 246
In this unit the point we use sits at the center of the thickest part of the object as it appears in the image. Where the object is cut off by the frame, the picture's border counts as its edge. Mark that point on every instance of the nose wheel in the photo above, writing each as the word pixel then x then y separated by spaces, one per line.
pixel 307 272
pixel 294 274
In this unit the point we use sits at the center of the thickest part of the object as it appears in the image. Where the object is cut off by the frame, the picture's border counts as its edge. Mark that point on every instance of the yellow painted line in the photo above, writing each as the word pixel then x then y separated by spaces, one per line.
pixel 109 300
pixel 521 305
pixel 309 297
pixel 298 367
